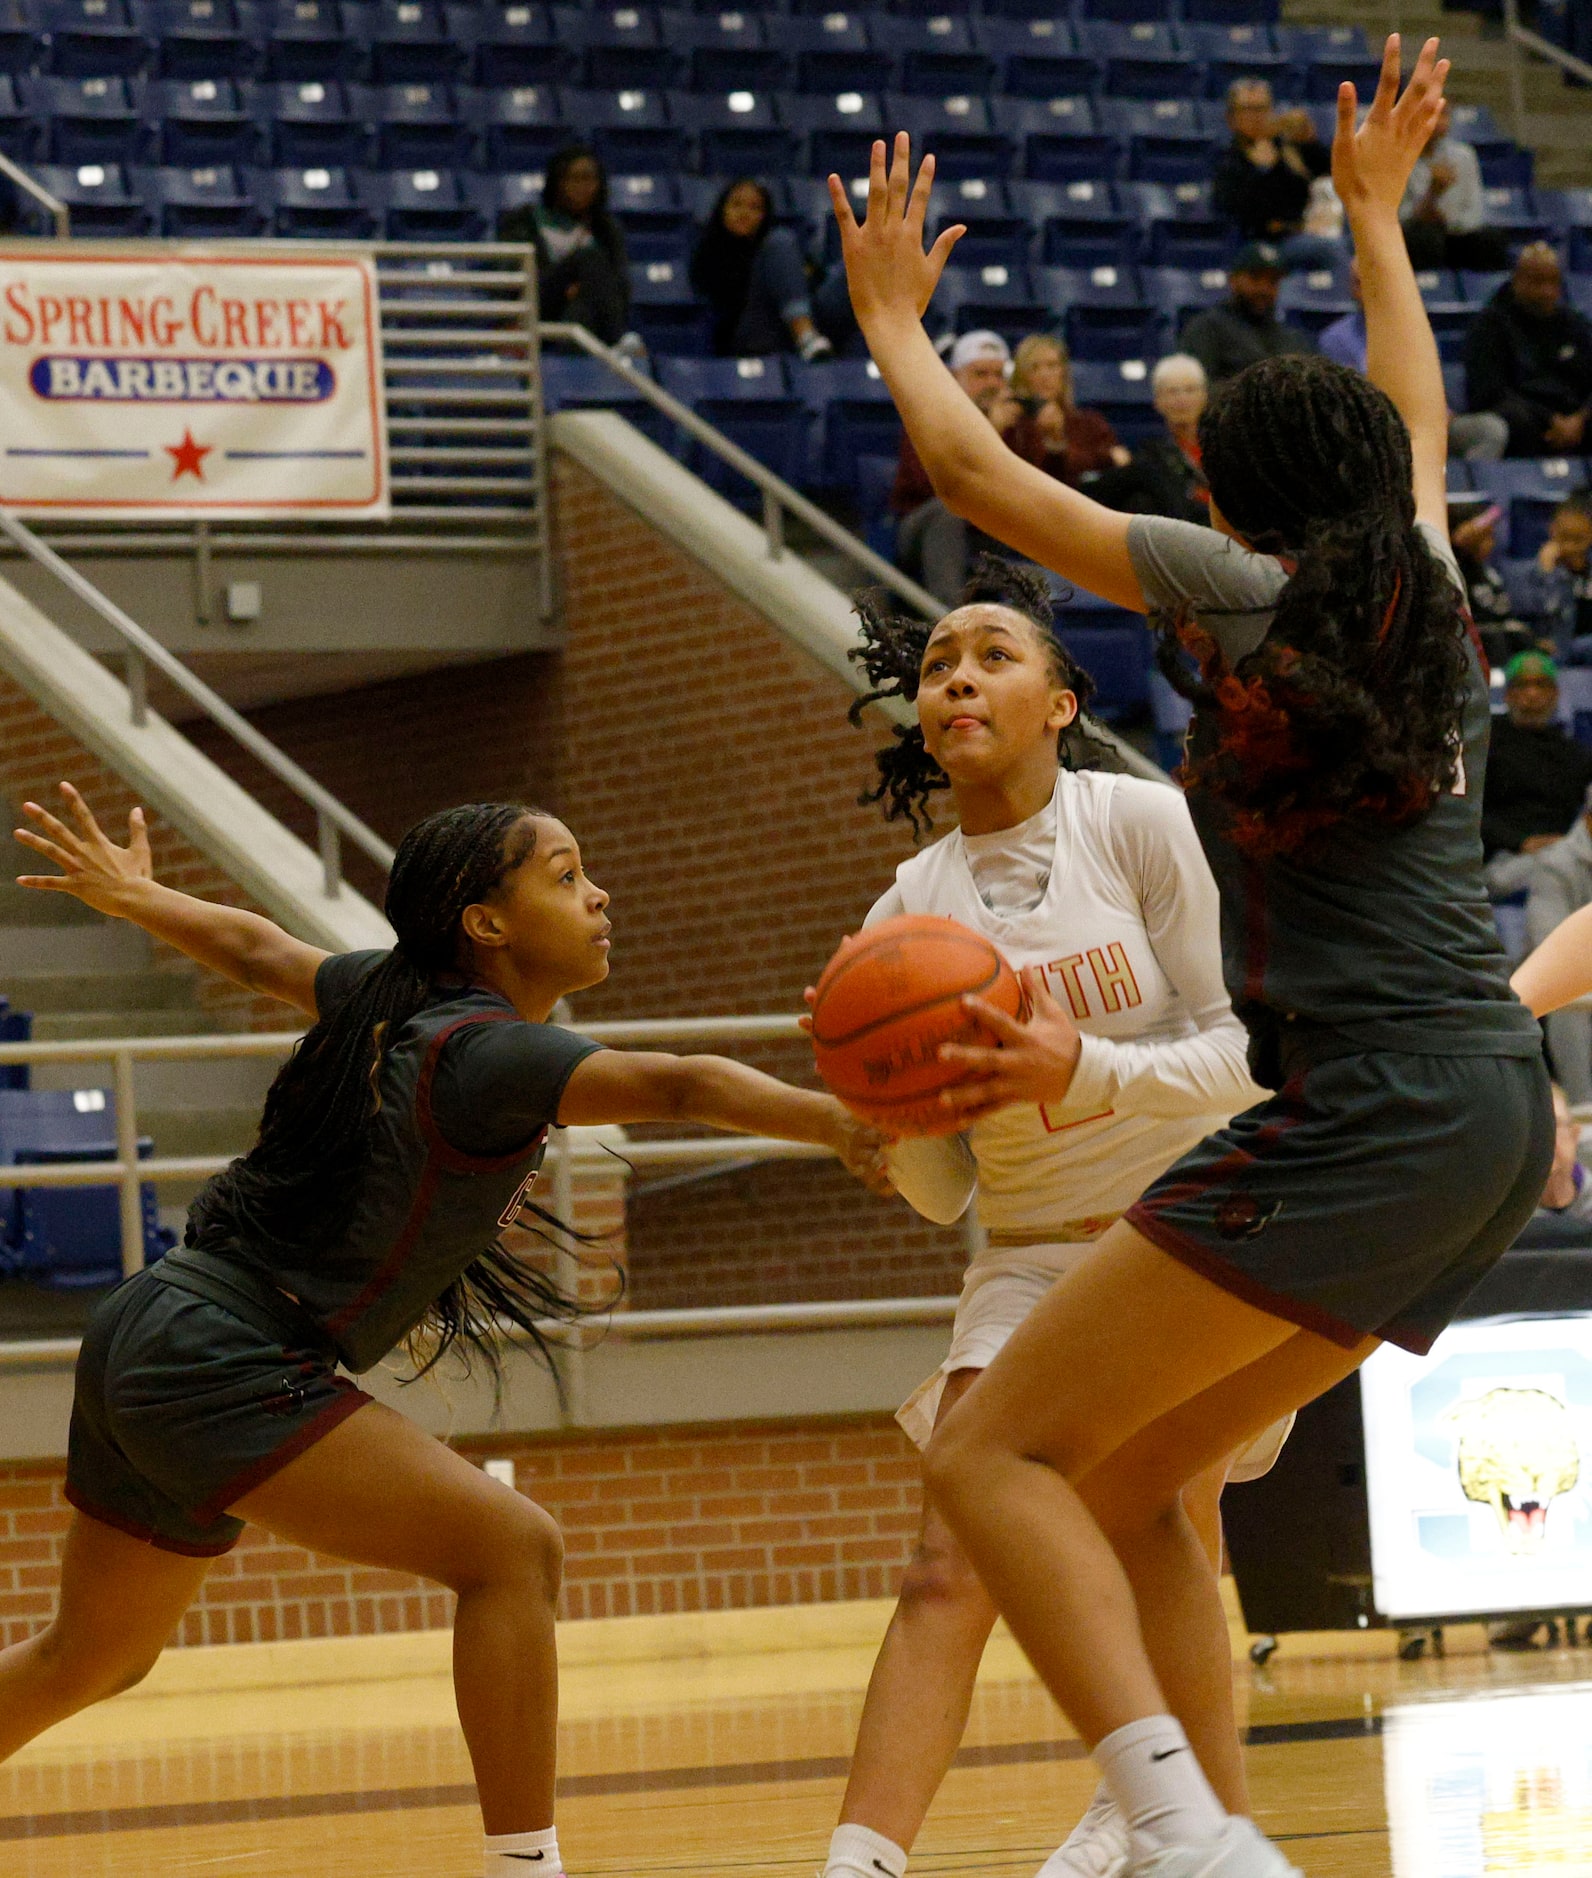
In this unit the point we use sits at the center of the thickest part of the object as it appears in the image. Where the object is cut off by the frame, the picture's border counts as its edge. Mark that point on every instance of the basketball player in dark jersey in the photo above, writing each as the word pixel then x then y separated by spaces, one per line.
pixel 1334 774
pixel 402 1136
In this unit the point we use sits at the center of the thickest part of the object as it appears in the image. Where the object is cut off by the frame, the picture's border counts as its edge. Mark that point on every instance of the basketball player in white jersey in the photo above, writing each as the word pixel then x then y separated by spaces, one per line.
pixel 1094 887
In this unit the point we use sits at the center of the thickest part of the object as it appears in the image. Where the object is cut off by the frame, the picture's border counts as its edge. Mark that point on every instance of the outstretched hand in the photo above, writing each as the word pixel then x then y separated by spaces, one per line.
pixel 1033 1060
pixel 93 869
pixel 886 267
pixel 1371 166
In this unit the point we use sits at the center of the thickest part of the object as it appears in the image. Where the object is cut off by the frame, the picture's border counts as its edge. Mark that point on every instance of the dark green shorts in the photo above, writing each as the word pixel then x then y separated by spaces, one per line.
pixel 1369 1196
pixel 193 1386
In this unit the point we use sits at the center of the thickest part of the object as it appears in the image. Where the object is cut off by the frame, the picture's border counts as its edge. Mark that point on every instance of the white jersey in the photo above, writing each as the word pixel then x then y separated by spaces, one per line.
pixel 1126 934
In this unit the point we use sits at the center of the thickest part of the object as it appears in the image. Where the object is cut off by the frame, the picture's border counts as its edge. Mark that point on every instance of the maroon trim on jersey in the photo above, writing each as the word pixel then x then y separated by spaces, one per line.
pixel 135 1529
pixel 342 1405
pixel 440 1158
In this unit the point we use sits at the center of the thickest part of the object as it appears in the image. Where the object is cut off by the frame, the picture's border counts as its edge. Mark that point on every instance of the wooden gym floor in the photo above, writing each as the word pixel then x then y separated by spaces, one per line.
pixel 718 1745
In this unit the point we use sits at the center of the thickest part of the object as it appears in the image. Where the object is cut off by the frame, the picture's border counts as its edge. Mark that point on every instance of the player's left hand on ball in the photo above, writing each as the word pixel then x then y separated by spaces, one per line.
pixel 1032 1061
pixel 862 1149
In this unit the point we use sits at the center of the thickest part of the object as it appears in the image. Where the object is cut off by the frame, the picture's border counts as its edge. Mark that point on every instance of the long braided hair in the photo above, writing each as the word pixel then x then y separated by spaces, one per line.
pixel 299 1185
pixel 1351 705
pixel 891 654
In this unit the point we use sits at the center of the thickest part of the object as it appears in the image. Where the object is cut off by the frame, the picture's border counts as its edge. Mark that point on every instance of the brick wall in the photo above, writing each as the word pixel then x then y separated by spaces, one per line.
pixel 654 1520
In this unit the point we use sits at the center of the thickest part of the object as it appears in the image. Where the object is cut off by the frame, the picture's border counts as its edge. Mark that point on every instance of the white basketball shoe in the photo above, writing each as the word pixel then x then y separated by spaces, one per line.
pixel 1097 1847
pixel 1240 1851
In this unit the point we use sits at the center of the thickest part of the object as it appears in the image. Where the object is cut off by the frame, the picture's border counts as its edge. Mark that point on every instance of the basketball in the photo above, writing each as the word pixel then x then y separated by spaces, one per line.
pixel 885 1004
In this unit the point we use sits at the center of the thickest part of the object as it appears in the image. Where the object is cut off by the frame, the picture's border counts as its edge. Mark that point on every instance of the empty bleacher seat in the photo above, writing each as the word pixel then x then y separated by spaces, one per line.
pixel 515 45
pixel 650 212
pixel 523 126
pixel 1038 58
pixel 202 39
pixel 91 38
pixel 618 46
pixel 751 402
pixel 1083 225
pixel 1529 489
pixel 419 126
pixel 102 197
pixel 196 204
pixel 665 311
pixel 830 53
pixel 205 121
pixel 317 201
pixel 318 122
pixel 726 50
pixel 1513 214
pixel 1178 292
pixel 1102 311
pixel 740 133
pixel 421 205
pixel 411 43
pixel 19 37
pixel 997 229
pixel 1058 138
pixel 1312 301
pixel 1113 647
pixel 856 412
pixel 91 120
pixel 21 136
pixel 306 39
pixel 573 383
pixel 838 131
pixel 631 129
pixel 1003 299
pixel 15 1027
pixel 957 129
pixel 935 57
pixel 1120 390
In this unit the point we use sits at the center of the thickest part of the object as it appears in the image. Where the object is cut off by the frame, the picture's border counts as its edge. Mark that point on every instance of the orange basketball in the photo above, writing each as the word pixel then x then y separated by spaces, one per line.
pixel 885 1004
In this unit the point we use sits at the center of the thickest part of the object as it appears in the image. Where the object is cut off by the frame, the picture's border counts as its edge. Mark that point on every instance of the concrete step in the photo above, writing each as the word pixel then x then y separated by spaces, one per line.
pixel 84 1026
pixel 111 946
pixel 110 992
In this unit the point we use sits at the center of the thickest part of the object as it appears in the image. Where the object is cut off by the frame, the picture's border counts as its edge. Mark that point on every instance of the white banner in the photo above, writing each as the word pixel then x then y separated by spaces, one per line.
pixel 190 383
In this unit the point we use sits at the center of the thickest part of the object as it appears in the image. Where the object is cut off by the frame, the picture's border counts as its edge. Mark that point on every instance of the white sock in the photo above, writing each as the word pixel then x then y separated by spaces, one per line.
pixel 1154 1776
pixel 523 1855
pixel 860 1852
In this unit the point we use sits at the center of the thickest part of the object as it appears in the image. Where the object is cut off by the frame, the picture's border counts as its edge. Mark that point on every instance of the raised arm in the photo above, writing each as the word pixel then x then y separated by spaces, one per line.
pixel 892 282
pixel 1370 170
pixel 244 947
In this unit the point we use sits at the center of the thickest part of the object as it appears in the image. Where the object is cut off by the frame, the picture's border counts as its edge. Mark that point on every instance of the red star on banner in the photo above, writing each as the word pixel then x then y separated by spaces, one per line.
pixel 188 457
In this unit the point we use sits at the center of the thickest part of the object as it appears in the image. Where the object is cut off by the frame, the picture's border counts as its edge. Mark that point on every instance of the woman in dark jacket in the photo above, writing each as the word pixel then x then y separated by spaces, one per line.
pixel 754 276
pixel 582 273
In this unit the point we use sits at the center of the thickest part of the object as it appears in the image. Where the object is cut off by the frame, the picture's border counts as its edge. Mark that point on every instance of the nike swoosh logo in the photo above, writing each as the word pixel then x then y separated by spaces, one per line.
pixel 884 1868
pixel 1165 1755
pixel 529 1857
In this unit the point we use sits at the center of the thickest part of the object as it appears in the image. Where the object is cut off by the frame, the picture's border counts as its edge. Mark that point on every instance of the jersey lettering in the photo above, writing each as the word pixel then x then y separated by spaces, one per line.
pixel 1119 989
pixel 1068 971
pixel 1060 1128
pixel 511 1212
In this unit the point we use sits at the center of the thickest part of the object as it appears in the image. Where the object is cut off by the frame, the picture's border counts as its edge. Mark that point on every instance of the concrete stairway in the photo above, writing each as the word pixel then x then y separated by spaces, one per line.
pixel 1558 124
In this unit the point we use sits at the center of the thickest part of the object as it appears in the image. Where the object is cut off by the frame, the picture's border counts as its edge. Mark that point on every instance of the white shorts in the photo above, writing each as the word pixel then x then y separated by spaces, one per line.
pixel 998 1292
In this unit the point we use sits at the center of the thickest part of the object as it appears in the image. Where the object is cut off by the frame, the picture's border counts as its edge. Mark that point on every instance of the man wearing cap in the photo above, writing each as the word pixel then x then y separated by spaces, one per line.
pixel 1561 884
pixel 1528 356
pixel 1244 327
pixel 932 544
pixel 1537 777
pixel 1262 180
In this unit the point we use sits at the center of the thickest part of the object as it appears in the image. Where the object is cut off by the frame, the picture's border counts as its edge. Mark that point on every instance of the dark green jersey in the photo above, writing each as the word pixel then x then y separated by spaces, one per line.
pixel 1383 935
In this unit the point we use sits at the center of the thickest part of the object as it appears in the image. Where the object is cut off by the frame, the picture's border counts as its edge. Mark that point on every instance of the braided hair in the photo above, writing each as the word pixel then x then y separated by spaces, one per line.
pixel 1350 706
pixel 299 1185
pixel 891 654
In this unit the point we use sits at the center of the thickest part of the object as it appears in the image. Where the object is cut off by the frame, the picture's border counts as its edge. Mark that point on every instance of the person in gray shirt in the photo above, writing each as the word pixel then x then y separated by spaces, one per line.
pixel 1244 328
pixel 1444 211
pixel 1561 884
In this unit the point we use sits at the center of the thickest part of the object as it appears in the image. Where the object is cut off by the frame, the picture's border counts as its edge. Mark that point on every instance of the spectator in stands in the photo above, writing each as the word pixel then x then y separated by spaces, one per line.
pixel 754 275
pixel 1561 581
pixel 1568 1193
pixel 1244 327
pixel 1444 211
pixel 1264 176
pixel 1561 884
pixel 1068 440
pixel 1472 531
pixel 1165 475
pixel 1537 776
pixel 1528 356
pixel 582 272
pixel 933 545
pixel 1478 436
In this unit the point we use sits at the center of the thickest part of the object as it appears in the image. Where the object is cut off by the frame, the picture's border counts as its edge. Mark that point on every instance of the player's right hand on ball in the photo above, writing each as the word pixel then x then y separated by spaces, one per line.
pixel 93 868
pixel 862 1150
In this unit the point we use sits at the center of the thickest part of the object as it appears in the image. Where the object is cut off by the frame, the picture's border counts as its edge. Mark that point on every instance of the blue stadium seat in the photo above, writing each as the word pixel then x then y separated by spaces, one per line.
pixel 751 402
pixel 1058 137
pixel 1124 12
pixel 935 56
pixel 1513 214
pixel 1447 309
pixel 1314 300
pixel 830 54
pixel 422 205
pixel 1145 75
pixel 1231 12
pixel 1038 58
pixel 838 131
pixel 1143 38
pixel 15 1027
pixel 1170 157
pixel 320 201
pixel 70 1238
pixel 523 126
pixel 858 415
pixel 1578 291
pixel 19 37
pixel 573 383
pixel 200 204
pixel 739 134
pixel 665 311
pixel 320 122
pixel 649 210
pixel 92 120
pixel 307 39
pixel 1177 292
pixel 630 128
pixel 726 50
pixel 102 197
pixel 93 38
pixel 205 121
pixel 1529 490
pixel 419 126
pixel 1001 298
pixel 1102 312
pixel 1454 387
pixel 1150 117
pixel 21 136
pixel 957 129
pixel 618 47
pixel 1478 289
pixel 1301 45
pixel 1504 163
pixel 997 231
pixel 202 39
pixel 1081 224
pixel 411 44
pixel 1177 227
pixel 1121 391
pixel 515 46
pixel 1115 653
pixel 1323 74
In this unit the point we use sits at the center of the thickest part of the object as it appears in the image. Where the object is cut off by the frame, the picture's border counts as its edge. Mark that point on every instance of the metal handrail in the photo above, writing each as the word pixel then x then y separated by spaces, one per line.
pixel 1523 38
pixel 778 496
pixel 332 819
pixel 52 205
